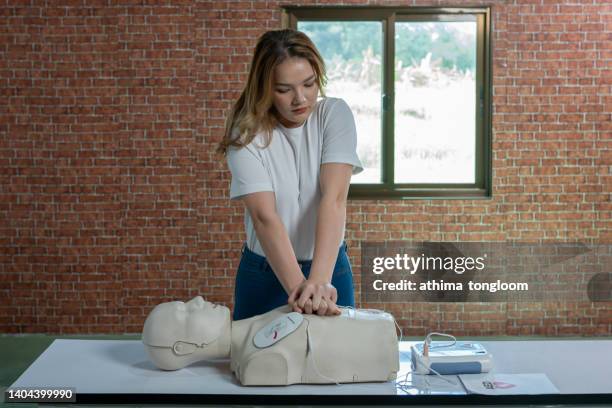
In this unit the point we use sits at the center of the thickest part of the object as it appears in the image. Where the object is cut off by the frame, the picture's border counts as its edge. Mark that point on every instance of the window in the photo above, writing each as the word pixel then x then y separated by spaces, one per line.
pixel 418 82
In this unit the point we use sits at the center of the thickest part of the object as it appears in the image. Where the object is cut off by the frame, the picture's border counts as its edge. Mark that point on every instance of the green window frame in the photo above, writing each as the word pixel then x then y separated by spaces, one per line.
pixel 388 16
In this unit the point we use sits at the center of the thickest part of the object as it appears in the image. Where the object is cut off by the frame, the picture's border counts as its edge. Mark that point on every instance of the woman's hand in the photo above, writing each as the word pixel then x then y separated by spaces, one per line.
pixel 314 297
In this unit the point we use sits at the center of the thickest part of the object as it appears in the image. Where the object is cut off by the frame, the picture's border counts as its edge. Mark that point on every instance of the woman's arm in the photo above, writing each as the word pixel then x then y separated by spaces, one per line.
pixel 274 239
pixel 335 179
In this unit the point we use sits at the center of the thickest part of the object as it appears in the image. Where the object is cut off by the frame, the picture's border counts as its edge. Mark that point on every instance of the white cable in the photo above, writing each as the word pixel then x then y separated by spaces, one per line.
pixel 310 352
pixel 428 339
pixel 420 361
pixel 377 311
pixel 402 384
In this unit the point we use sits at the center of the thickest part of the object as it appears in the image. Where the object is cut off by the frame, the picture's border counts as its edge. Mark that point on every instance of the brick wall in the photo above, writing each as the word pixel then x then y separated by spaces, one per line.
pixel 113 201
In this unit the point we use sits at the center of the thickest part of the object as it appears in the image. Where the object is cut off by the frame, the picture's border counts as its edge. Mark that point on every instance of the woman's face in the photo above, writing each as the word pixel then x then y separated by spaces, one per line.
pixel 295 91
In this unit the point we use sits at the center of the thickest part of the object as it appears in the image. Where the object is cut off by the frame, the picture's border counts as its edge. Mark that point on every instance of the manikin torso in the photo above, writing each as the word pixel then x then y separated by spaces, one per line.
pixel 356 346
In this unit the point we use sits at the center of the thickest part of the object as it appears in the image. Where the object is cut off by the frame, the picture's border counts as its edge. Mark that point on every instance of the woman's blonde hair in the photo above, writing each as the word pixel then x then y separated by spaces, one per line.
pixel 254 110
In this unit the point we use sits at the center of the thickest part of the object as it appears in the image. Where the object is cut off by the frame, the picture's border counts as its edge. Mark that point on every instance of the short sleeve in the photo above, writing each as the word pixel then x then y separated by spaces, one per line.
pixel 340 136
pixel 248 172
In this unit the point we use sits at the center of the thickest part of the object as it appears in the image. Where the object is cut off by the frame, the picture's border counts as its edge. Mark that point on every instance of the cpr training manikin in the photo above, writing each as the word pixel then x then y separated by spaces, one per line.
pixel 279 347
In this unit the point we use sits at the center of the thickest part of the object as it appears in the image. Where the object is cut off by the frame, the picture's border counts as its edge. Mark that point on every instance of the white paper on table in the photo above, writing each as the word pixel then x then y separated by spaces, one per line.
pixel 507 384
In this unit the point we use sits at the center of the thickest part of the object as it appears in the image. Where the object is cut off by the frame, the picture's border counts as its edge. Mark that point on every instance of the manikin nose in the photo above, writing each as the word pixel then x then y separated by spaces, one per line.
pixel 197 301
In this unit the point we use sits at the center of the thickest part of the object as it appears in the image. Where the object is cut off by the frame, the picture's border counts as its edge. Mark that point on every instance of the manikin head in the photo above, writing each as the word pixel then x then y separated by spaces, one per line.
pixel 177 334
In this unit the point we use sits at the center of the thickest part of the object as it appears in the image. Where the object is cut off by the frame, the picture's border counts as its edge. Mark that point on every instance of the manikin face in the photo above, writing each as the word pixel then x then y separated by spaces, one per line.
pixel 295 91
pixel 200 319
pixel 196 321
pixel 179 333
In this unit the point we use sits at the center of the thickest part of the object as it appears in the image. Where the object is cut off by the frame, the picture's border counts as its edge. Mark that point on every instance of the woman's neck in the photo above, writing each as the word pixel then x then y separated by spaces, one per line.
pixel 286 123
pixel 290 125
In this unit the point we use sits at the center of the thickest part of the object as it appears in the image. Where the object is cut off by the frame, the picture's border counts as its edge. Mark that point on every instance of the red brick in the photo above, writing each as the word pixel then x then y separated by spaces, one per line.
pixel 115 202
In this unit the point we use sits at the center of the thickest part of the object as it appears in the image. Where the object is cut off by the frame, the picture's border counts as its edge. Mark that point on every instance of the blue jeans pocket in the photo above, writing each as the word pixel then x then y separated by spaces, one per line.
pixel 249 266
pixel 343 265
pixel 342 279
pixel 341 271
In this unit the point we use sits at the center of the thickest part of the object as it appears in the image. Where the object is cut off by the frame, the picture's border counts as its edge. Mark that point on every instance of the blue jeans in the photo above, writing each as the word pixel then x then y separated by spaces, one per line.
pixel 258 290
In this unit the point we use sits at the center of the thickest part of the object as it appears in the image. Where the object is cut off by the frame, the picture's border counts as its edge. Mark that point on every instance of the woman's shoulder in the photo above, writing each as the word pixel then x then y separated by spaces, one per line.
pixel 253 141
pixel 329 102
pixel 333 108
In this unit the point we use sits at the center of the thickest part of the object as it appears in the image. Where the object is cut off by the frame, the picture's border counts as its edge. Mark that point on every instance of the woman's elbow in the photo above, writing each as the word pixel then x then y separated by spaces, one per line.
pixel 336 201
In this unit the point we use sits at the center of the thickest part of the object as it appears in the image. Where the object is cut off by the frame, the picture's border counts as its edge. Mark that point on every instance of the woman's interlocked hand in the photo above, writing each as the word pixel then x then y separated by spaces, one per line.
pixel 312 297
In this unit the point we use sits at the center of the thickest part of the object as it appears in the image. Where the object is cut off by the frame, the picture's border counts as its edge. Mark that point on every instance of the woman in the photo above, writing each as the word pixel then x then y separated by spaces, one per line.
pixel 291 157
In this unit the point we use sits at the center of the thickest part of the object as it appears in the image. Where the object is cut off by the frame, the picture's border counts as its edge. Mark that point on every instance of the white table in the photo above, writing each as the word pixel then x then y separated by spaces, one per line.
pixel 120 371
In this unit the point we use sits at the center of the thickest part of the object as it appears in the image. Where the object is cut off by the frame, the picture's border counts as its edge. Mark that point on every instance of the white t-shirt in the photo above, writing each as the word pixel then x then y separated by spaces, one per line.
pixel 290 167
